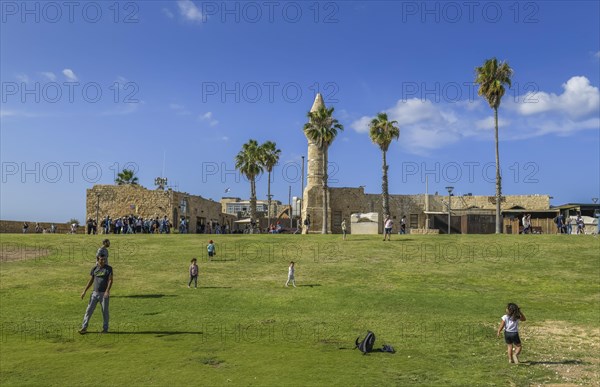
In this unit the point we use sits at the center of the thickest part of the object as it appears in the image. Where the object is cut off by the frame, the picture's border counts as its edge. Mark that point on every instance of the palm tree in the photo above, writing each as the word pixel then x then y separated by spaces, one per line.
pixel 270 157
pixel 382 132
pixel 127 176
pixel 248 162
pixel 322 129
pixel 492 77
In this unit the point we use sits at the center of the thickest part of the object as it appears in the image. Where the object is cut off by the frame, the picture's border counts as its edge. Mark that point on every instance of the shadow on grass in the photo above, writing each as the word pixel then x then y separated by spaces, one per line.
pixel 309 285
pixel 157 333
pixel 145 296
pixel 564 362
pixel 214 287
pixel 222 260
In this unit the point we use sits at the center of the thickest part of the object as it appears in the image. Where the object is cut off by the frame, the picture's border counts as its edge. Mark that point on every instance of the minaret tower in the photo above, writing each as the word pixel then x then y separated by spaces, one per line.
pixel 312 202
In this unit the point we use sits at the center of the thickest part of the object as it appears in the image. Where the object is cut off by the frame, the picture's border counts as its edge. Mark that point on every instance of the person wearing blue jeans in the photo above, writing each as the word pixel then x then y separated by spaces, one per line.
pixel 101 276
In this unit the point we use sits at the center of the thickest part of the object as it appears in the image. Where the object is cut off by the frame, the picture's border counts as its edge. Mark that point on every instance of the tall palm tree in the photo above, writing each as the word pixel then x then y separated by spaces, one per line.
pixel 492 77
pixel 382 132
pixel 127 176
pixel 270 157
pixel 322 129
pixel 248 162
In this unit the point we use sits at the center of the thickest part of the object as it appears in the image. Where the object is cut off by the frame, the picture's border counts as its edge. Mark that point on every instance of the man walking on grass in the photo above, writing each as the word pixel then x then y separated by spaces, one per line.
pixel 101 276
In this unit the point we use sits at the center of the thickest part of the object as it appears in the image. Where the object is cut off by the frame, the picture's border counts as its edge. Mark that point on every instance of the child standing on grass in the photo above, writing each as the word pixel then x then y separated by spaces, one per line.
pixel 291 277
pixel 510 324
pixel 193 273
pixel 211 249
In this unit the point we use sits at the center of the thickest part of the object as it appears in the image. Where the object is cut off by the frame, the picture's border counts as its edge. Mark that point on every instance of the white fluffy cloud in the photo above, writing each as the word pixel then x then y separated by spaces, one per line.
pixel 49 75
pixel 189 11
pixel 208 117
pixel 425 126
pixel 70 75
pixel 578 99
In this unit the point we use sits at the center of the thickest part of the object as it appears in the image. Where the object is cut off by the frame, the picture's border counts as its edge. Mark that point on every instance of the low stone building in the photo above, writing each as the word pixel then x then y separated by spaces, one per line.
pixel 421 211
pixel 124 200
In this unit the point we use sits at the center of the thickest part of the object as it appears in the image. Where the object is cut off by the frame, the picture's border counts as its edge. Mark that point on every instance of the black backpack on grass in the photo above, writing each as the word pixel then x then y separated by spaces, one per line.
pixel 366 345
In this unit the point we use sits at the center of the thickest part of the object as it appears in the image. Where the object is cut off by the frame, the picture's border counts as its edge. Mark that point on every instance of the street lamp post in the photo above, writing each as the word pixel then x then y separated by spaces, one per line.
pixel 269 197
pixel 302 190
pixel 449 189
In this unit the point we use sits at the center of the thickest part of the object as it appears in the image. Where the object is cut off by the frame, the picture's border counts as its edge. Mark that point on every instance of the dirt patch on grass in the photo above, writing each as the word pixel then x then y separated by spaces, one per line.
pixel 570 351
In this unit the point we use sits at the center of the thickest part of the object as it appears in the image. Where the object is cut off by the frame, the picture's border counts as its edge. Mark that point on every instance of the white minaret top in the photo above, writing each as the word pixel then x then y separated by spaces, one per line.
pixel 318 103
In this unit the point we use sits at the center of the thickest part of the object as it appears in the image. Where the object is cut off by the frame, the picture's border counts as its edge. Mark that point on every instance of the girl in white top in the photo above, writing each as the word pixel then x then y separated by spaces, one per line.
pixel 291 271
pixel 510 324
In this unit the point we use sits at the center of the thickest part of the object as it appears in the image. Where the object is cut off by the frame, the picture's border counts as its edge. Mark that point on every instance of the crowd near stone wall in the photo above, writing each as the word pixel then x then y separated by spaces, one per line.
pixel 124 200
pixel 16 227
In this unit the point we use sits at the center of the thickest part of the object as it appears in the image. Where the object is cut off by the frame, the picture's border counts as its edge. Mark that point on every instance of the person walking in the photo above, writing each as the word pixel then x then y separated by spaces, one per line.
pixel 343 229
pixel 291 274
pixel 387 232
pixel 193 273
pixel 211 249
pixel 403 225
pixel 307 223
pixel 101 276
pixel 510 324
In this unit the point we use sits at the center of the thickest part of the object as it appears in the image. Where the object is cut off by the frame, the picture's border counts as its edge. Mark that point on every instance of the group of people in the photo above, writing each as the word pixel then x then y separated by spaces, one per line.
pixel 39 229
pixel 130 224
pixel 101 278
pixel 565 226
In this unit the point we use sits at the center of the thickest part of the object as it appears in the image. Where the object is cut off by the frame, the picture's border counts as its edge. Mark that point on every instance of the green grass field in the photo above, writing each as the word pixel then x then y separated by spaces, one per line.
pixel 437 299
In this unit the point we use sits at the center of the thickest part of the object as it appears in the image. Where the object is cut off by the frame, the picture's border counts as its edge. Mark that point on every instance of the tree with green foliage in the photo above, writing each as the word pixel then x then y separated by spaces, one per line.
pixel 269 158
pixel 492 77
pixel 127 176
pixel 382 132
pixel 249 162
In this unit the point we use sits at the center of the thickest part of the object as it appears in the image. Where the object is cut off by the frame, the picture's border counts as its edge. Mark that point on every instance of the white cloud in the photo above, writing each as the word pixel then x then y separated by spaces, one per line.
pixel 49 75
pixel 167 12
pixel 70 75
pixel 180 110
pixel 597 55
pixel 189 11
pixel 425 126
pixel 362 124
pixel 208 117
pixel 123 109
pixel 489 123
pixel 22 78
pixel 578 100
pixel 225 138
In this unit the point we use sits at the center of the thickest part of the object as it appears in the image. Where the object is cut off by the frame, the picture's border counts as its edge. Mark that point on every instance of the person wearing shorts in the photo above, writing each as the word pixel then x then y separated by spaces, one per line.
pixel 510 324
pixel 387 232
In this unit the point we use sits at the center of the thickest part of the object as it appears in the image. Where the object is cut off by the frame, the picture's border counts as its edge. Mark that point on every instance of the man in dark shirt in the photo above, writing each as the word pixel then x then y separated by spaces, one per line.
pixel 101 276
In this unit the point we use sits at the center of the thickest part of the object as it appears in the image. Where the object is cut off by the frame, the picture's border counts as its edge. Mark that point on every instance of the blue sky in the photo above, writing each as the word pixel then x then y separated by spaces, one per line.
pixel 179 86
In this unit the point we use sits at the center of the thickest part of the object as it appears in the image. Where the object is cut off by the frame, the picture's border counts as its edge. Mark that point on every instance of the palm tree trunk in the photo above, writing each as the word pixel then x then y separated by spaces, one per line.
pixel 325 201
pixel 384 187
pixel 498 178
pixel 252 202
pixel 269 201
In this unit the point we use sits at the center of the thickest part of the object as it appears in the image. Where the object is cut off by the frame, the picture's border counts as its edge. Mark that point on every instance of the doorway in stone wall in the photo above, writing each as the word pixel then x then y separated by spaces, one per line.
pixel 200 225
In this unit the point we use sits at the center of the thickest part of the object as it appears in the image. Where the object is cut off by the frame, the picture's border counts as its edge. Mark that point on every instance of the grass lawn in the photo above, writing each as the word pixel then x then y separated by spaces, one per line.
pixel 436 299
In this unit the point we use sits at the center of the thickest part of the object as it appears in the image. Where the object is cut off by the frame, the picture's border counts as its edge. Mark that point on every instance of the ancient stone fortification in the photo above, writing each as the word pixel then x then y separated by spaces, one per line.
pixel 121 200
pixel 345 201
pixel 16 227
